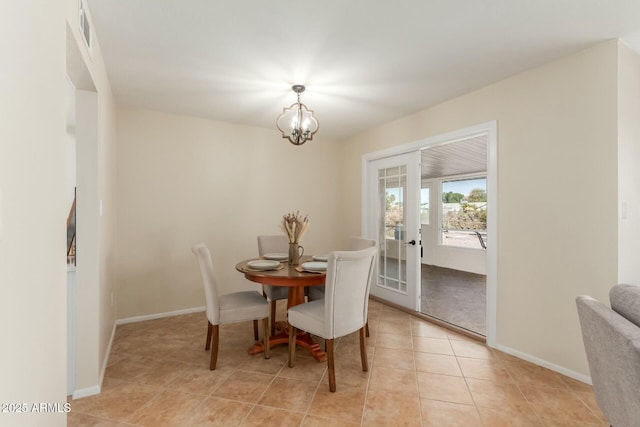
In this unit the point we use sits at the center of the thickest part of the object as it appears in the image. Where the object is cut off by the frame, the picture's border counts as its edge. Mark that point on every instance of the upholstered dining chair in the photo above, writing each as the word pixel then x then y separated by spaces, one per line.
pixel 343 309
pixel 266 245
pixel 354 244
pixel 229 308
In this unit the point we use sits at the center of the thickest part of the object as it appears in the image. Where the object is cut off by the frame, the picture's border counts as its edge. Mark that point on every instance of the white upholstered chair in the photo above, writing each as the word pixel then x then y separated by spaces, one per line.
pixel 266 245
pixel 354 244
pixel 343 309
pixel 230 308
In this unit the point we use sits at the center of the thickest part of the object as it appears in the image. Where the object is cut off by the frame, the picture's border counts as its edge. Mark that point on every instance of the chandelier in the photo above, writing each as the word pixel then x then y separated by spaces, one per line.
pixel 297 123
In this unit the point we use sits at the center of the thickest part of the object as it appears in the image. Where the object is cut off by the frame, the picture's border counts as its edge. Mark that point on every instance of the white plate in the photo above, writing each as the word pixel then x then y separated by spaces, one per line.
pixel 314 266
pixel 323 258
pixel 263 265
pixel 276 256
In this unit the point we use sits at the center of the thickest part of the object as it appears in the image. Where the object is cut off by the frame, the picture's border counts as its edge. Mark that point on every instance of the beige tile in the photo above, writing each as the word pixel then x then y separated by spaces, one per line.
pixel 163 373
pixel 576 385
pixel 498 395
pixel 349 373
pixel 305 368
pixel 455 336
pixel 437 364
pixel 393 380
pixel 527 374
pixel 471 349
pixel 289 394
pixel 422 328
pixel 399 342
pixel 390 409
pixel 214 411
pixel 262 416
pixel 316 421
pixel 119 403
pixel 158 371
pixel 130 367
pixel 444 387
pixel 505 356
pixel 484 369
pixel 345 404
pixel 589 399
pixel 496 417
pixel 171 408
pixel 438 414
pixel 200 380
pixel 257 363
pixel 244 386
pixel 432 345
pixel 393 358
pixel 553 422
pixel 558 404
pixel 76 419
pixel 396 327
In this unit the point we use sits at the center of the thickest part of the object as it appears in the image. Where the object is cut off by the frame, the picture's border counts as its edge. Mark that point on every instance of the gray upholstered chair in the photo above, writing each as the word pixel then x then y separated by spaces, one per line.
pixel 343 309
pixel 612 342
pixel 230 308
pixel 273 244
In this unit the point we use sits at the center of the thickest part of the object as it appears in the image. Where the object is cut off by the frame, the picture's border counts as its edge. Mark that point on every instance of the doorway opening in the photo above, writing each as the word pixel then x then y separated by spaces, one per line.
pixel 436 227
pixel 453 215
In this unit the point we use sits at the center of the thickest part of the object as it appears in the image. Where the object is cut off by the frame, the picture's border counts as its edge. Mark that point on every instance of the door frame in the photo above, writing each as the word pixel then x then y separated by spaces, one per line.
pixel 491 130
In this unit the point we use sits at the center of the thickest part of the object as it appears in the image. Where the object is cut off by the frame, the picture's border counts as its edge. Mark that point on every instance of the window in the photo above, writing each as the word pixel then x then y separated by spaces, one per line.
pixel 464 212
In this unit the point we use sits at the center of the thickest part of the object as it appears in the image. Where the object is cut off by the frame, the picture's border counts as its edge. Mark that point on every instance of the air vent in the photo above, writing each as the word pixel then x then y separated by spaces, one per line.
pixel 85 26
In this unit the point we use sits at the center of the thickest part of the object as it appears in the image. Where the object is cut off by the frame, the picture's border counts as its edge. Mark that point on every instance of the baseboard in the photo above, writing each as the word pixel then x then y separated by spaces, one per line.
pixel 545 364
pixel 159 315
pixel 85 392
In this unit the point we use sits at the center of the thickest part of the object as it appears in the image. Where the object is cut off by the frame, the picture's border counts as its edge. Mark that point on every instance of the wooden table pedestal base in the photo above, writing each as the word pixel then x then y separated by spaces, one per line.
pixel 303 339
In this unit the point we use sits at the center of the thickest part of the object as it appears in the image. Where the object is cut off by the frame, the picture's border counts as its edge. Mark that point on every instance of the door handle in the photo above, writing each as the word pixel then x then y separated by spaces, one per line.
pixel 411 242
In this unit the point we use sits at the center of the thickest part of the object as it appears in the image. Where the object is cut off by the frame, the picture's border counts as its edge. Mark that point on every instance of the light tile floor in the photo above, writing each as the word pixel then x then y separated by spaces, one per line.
pixel 419 375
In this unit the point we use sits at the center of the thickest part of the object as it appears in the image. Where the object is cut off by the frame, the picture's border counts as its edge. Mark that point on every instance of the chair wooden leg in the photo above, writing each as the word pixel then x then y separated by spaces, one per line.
pixel 366 329
pixel 273 317
pixel 331 365
pixel 292 346
pixel 214 348
pixel 207 345
pixel 363 350
pixel 255 330
pixel 265 340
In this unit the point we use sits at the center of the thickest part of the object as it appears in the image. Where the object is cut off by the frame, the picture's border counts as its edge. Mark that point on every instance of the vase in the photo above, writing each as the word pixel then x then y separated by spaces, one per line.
pixel 295 253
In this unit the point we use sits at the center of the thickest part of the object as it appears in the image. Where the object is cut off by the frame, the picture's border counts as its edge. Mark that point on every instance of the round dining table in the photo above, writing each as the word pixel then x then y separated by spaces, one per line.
pixel 295 280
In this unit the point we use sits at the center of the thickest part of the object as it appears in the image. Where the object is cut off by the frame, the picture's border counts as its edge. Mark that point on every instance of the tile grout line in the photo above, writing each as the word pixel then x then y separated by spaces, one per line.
pixel 415 370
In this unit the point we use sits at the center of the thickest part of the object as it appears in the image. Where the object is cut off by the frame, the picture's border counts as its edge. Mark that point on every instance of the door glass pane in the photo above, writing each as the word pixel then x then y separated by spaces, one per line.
pixel 464 213
pixel 392 185
pixel 424 206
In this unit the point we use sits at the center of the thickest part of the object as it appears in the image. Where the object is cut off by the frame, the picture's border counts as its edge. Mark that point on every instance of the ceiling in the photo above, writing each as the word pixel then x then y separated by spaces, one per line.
pixel 459 157
pixel 364 62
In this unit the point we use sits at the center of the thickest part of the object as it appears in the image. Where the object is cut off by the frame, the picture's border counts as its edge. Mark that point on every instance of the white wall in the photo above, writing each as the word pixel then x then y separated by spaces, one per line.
pixel 629 171
pixel 95 145
pixel 32 209
pixel 183 180
pixel 557 154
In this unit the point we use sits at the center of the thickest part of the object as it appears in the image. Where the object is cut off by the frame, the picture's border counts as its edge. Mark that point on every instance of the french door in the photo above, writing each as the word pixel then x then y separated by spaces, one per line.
pixel 394 211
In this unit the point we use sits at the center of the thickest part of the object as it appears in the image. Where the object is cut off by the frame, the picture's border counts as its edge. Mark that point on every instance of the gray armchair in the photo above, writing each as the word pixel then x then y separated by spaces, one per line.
pixel 612 342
